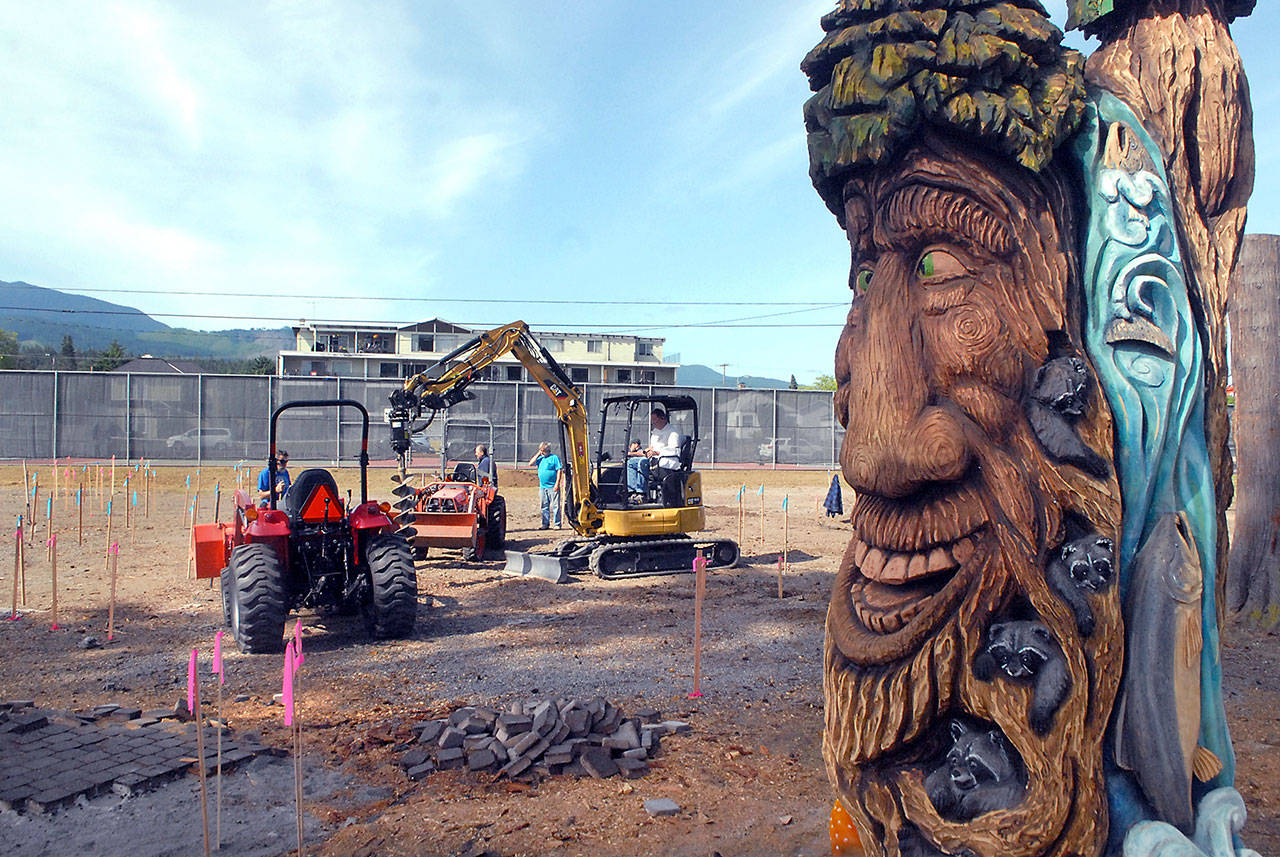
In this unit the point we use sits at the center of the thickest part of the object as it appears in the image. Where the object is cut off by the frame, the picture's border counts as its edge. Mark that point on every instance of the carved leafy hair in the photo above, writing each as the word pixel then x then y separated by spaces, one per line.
pixel 1096 17
pixel 993 70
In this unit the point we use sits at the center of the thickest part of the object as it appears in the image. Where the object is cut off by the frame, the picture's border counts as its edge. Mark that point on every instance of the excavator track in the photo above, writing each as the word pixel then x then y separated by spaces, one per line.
pixel 645 557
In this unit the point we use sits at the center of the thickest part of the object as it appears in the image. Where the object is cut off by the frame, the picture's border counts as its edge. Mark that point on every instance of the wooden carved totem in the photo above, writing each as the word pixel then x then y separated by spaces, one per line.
pixel 1022 652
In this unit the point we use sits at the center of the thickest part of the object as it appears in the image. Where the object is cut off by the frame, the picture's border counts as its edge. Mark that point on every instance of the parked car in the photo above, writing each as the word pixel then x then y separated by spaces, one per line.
pixel 793 451
pixel 215 440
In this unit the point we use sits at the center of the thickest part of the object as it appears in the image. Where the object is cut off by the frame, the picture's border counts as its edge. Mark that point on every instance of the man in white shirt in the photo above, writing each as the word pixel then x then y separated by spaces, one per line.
pixel 664 445
pixel 664 441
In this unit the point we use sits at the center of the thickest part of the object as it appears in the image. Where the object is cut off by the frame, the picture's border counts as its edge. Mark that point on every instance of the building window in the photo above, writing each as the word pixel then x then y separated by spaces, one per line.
pixel 554 344
pixel 515 373
pixel 644 349
pixel 595 346
pixel 622 376
pixel 578 375
pixel 647 376
pixel 388 370
pixel 317 367
pixel 426 343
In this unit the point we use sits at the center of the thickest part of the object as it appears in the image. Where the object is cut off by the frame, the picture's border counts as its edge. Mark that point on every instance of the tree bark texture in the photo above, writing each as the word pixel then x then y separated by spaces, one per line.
pixel 1253 582
pixel 1174 63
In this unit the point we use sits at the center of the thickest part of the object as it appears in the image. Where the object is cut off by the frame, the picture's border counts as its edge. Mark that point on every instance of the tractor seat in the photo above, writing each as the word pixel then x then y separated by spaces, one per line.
pixel 464 471
pixel 305 501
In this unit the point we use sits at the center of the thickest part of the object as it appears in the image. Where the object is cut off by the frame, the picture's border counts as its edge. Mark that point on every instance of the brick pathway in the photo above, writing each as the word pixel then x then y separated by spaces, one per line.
pixel 49 758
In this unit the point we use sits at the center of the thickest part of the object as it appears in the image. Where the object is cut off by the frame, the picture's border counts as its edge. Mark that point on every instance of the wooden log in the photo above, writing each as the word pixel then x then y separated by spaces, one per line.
pixel 1253 578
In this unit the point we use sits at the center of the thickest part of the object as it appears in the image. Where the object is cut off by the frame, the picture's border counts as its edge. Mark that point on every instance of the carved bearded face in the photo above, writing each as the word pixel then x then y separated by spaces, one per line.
pixel 960 280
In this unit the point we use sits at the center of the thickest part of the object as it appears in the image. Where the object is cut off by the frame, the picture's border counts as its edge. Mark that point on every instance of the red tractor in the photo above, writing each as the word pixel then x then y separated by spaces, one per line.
pixel 316 552
pixel 462 509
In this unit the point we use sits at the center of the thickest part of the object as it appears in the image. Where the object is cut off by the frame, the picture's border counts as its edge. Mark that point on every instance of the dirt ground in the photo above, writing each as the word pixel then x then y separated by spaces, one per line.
pixel 749 777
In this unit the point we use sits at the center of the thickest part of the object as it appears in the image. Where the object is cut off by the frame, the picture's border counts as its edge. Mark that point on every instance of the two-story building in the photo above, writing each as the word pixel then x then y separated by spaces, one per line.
pixel 360 351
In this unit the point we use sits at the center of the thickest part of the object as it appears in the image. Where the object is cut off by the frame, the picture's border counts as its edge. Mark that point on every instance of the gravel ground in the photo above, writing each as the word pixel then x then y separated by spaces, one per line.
pixel 749 778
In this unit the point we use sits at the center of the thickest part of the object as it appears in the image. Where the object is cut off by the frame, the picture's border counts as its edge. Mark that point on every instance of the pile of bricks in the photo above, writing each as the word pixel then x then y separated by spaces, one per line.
pixel 49 758
pixel 538 738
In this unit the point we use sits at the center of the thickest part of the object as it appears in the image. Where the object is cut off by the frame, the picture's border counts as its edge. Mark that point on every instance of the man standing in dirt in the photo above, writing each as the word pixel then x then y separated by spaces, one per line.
pixel 550 477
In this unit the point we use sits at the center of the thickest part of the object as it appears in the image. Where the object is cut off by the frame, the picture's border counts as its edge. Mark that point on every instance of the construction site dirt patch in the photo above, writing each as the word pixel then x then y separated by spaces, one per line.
pixel 747 779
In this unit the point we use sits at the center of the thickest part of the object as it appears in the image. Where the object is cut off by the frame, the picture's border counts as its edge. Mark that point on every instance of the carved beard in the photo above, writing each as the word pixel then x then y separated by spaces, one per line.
pixel 886 692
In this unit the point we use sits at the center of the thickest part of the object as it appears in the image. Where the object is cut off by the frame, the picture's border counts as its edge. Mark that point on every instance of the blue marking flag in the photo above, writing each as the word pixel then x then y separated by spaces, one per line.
pixel 135 498
pixel 760 490
pixel 108 508
pixel 784 502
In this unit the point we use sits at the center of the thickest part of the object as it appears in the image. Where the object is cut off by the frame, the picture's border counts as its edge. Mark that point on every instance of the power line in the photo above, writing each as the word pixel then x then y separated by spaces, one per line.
pixel 385 323
pixel 439 300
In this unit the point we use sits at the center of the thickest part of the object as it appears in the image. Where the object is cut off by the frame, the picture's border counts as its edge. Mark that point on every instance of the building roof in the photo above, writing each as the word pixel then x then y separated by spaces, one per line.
pixel 147 363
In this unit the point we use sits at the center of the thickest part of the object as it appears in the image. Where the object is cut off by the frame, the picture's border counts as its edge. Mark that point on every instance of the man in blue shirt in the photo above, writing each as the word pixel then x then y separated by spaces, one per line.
pixel 282 479
pixel 484 464
pixel 550 477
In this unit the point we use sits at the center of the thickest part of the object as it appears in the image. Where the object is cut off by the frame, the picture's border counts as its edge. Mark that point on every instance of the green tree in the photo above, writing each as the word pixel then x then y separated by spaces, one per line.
pixel 8 349
pixel 68 353
pixel 262 366
pixel 33 355
pixel 822 382
pixel 112 358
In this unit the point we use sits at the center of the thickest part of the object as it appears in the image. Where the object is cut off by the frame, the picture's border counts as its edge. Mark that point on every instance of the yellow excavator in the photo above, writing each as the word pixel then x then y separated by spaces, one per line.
pixel 623 533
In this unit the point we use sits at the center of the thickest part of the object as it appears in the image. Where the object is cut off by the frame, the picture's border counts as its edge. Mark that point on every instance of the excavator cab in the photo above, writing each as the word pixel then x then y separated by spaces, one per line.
pixel 627 480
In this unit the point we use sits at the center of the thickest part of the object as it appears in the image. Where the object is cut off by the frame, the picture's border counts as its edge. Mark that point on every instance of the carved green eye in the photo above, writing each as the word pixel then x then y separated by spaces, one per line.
pixel 939 263
pixel 863 281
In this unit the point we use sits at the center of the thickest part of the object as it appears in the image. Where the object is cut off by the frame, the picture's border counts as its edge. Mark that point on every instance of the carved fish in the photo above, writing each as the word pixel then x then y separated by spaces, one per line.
pixel 1158 720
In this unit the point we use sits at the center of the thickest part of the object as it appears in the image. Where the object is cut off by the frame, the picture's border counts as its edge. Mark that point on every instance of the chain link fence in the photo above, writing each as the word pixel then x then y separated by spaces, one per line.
pixel 224 418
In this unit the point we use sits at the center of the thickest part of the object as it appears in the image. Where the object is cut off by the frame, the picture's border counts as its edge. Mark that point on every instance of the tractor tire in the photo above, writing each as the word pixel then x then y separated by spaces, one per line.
pixel 259 598
pixel 475 553
pixel 391 606
pixel 226 583
pixel 497 524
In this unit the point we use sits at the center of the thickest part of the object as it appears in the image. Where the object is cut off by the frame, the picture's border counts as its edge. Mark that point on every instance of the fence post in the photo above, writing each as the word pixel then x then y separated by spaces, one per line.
pixel 515 453
pixel 775 430
pixel 55 418
pixel 337 442
pixel 714 460
pixel 199 418
pixel 831 415
pixel 128 418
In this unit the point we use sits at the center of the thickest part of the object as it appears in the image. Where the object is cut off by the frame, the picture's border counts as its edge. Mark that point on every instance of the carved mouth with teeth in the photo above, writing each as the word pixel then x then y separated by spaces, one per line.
pixel 892 587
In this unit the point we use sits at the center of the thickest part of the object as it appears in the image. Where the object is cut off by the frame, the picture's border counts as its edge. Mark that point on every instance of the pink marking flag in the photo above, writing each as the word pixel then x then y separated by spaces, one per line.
pixel 191 684
pixel 298 659
pixel 286 688
pixel 217 660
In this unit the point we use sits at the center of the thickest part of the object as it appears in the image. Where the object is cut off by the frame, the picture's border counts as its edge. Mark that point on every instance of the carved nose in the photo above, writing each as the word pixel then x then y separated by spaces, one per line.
pixel 897 462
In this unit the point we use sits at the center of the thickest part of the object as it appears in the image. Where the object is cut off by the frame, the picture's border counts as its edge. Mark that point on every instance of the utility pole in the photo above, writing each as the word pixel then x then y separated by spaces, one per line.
pixel 723 366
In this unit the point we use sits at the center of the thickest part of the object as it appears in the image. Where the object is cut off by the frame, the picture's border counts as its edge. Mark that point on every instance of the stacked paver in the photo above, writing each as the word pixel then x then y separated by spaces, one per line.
pixel 541 737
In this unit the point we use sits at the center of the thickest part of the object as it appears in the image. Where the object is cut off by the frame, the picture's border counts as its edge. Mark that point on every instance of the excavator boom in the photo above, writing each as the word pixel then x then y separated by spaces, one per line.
pixel 445 383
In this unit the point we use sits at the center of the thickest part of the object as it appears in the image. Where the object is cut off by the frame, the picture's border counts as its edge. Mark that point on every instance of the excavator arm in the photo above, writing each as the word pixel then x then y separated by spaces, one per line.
pixel 444 384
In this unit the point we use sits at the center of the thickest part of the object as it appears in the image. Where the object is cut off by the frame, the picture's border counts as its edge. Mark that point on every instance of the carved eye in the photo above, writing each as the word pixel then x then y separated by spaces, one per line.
pixel 939 263
pixel 862 281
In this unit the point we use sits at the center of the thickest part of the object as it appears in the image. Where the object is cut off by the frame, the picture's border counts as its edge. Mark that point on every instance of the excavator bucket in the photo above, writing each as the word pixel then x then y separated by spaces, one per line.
pixel 546 566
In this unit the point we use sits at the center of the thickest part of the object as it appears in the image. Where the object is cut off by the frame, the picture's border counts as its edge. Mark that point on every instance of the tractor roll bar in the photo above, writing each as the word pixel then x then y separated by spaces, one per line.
pixel 322 403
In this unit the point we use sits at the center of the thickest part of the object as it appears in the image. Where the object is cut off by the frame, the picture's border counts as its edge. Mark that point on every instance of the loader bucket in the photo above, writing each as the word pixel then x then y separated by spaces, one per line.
pixel 545 566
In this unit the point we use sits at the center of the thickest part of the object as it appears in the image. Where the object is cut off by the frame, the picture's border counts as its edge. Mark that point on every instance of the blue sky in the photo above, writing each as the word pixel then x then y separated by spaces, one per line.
pixel 475 158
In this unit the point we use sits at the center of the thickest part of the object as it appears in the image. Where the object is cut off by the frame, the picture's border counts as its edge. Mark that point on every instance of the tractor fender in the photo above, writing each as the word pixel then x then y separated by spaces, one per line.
pixel 369 516
pixel 270 524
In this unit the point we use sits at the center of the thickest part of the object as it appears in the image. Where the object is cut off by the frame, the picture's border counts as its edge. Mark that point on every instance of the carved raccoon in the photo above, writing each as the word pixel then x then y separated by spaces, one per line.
pixel 980 773
pixel 1082 566
pixel 1026 652
pixel 1058 398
